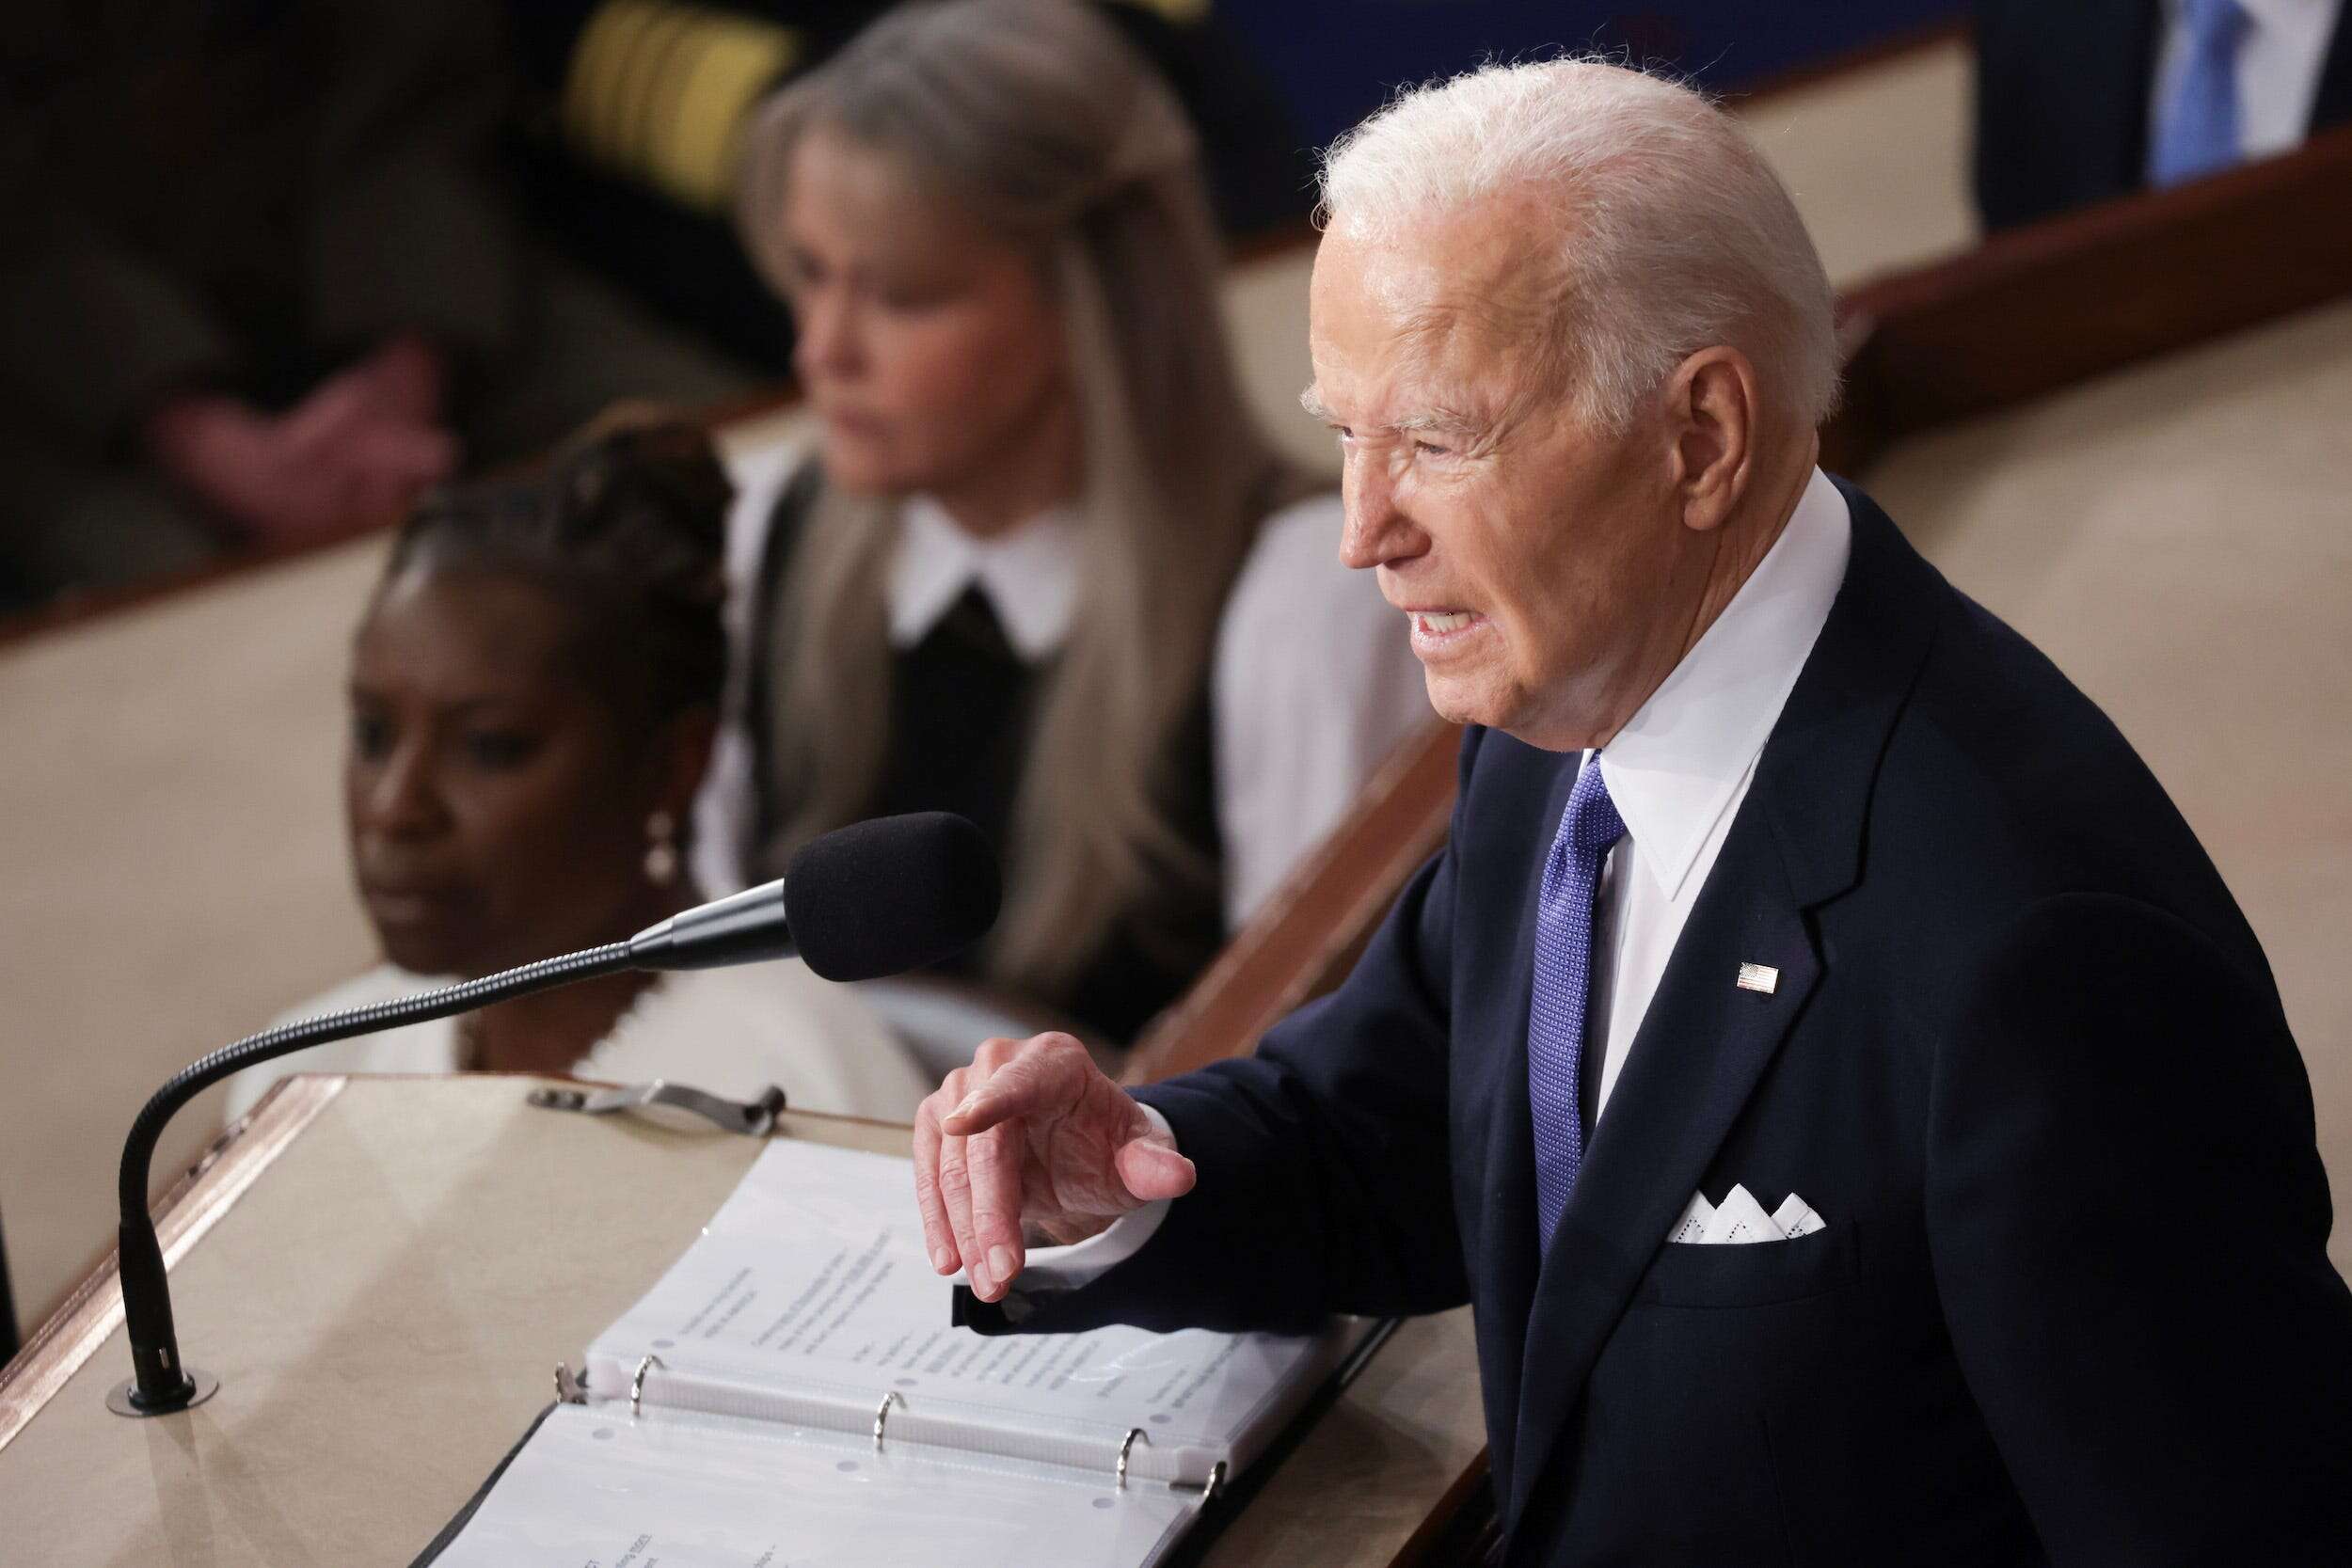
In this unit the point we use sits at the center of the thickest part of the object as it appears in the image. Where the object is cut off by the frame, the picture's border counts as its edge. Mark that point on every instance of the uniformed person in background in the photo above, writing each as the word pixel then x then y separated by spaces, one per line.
pixel 263 280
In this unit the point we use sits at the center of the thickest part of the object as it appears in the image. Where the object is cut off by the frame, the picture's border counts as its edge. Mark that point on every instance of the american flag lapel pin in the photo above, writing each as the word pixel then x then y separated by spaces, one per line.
pixel 1763 978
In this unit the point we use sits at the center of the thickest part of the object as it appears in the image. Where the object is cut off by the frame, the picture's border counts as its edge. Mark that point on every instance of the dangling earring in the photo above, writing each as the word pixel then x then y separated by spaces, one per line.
pixel 661 849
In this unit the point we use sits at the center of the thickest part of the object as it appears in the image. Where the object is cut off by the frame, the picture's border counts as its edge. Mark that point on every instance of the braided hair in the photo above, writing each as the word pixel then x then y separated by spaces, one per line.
pixel 625 528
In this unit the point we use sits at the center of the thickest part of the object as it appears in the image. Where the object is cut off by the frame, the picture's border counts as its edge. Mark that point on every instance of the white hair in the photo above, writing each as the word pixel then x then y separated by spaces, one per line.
pixel 1673 235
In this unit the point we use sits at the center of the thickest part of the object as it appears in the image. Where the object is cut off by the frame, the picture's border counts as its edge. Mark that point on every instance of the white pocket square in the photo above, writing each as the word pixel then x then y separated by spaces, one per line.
pixel 1741 1219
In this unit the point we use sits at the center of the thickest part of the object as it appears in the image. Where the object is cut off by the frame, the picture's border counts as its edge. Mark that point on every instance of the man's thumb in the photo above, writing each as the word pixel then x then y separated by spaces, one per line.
pixel 1152 1170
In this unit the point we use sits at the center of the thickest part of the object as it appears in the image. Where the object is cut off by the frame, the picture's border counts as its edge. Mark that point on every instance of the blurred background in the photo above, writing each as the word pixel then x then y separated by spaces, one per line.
pixel 275 274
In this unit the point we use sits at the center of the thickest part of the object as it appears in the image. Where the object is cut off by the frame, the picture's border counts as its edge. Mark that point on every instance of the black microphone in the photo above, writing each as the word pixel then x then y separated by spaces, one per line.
pixel 871 899
pixel 874 899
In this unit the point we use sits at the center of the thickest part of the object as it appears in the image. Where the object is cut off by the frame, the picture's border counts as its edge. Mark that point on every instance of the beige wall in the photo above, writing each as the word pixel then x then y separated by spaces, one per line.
pixel 174 876
pixel 1878 160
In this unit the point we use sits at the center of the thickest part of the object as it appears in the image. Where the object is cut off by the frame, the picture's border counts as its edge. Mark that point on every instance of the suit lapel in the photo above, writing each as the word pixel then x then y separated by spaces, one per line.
pixel 1699 1055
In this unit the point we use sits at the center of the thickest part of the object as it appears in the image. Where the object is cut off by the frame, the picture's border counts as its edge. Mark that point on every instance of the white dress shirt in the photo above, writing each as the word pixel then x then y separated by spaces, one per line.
pixel 2279 64
pixel 1677 772
pixel 1314 680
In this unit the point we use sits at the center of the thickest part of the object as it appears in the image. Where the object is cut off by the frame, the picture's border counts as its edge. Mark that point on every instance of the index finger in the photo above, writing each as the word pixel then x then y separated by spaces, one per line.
pixel 1022 1086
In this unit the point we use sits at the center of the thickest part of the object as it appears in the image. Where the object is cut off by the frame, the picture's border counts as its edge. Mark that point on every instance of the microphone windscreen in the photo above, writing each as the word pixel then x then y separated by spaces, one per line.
pixel 895 893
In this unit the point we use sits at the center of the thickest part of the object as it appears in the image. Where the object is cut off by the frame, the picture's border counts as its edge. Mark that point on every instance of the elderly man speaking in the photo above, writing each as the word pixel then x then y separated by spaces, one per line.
pixel 1791 901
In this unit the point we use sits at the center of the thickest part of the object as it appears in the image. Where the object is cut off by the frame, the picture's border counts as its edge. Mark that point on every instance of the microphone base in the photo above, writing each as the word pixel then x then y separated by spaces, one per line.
pixel 124 1398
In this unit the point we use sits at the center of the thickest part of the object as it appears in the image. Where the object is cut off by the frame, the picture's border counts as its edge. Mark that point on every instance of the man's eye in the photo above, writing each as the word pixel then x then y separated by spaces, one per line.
pixel 1431 449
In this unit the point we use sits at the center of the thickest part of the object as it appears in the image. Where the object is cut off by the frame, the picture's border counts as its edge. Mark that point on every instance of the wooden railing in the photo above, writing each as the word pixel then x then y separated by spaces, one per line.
pixel 2047 307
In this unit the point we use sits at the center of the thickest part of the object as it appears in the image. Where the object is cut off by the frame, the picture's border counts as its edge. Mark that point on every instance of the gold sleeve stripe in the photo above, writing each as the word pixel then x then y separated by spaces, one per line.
pixel 657 92
pixel 705 147
pixel 599 61
pixel 670 83
pixel 642 83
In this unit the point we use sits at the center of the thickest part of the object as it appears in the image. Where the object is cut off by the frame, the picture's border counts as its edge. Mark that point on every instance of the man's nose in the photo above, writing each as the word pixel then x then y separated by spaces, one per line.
pixel 1376 531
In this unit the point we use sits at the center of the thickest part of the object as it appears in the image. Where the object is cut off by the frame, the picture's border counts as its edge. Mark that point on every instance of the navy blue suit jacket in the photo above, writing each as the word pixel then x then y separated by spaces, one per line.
pixel 2025 1058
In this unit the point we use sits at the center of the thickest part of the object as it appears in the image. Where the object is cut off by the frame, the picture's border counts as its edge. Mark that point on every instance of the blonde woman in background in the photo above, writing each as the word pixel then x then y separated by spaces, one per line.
pixel 1043 568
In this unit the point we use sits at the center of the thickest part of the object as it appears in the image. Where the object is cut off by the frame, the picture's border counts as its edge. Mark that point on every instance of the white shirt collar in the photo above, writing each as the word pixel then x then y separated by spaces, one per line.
pixel 1681 761
pixel 1029 575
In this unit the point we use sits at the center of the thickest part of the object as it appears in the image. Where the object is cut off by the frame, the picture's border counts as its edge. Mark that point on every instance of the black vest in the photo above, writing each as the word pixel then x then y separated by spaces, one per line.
pixel 962 713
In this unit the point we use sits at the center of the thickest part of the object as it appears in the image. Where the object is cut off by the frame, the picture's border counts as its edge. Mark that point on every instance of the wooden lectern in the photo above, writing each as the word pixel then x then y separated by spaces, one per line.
pixel 384 1273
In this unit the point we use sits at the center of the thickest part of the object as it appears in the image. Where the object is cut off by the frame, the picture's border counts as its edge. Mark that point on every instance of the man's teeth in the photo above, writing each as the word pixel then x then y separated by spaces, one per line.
pixel 1439 624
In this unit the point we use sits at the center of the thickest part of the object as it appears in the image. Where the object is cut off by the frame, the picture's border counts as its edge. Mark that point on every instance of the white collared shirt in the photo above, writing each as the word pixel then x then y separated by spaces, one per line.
pixel 1681 765
pixel 1029 575
pixel 2279 66
pixel 1313 683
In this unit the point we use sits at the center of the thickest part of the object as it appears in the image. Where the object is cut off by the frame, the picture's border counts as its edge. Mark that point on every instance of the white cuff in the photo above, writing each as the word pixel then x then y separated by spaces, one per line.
pixel 1067 1268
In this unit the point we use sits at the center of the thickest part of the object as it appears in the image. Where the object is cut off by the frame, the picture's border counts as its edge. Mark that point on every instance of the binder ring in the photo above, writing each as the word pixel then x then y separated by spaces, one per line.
pixel 1127 1443
pixel 882 1413
pixel 1217 1484
pixel 637 1383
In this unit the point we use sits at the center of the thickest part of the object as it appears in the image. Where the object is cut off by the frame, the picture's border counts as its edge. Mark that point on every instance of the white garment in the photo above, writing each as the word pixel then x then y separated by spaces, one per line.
pixel 2279 65
pixel 1677 774
pixel 1029 576
pixel 1314 680
pixel 1315 685
pixel 731 1031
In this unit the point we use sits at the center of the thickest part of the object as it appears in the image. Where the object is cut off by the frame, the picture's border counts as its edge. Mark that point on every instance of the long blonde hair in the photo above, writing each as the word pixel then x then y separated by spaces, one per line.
pixel 1037 118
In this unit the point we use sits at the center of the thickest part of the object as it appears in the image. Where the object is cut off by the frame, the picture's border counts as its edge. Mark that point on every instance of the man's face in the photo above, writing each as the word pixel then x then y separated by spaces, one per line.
pixel 1541 560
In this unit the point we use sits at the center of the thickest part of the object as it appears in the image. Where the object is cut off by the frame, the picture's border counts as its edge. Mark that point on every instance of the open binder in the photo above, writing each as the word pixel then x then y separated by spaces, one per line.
pixel 792 1392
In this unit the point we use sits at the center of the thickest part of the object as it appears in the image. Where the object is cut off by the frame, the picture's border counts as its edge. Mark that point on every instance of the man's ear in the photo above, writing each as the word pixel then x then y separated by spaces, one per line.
pixel 1711 407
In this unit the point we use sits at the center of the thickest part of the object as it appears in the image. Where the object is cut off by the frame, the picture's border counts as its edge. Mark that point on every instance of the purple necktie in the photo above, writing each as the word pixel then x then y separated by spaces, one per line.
pixel 1564 986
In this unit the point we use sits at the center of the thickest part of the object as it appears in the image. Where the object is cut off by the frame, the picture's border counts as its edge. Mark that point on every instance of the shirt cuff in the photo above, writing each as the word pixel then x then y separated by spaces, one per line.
pixel 1052 1269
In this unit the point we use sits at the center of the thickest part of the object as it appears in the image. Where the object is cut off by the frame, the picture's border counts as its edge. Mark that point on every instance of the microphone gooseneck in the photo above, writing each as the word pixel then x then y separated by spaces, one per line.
pixel 161 1384
pixel 871 899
